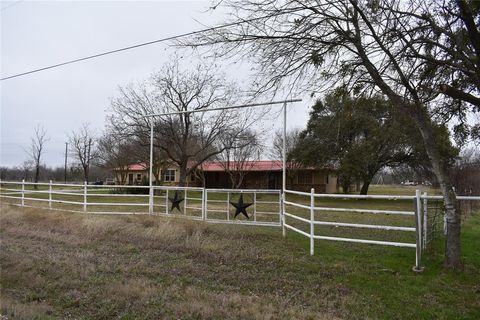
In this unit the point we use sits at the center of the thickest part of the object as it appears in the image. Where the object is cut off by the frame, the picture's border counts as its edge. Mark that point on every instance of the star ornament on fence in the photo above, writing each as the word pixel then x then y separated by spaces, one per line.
pixel 240 207
pixel 176 200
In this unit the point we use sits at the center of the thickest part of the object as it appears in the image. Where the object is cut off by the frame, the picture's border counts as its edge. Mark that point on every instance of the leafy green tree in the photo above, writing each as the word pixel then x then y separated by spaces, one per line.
pixel 360 136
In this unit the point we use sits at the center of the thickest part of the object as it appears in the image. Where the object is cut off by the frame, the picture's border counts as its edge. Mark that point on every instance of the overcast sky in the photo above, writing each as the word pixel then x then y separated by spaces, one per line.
pixel 35 34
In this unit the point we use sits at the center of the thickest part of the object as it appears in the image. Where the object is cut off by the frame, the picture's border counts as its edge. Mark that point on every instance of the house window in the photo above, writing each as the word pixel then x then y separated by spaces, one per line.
pixel 139 176
pixel 305 178
pixel 326 178
pixel 169 175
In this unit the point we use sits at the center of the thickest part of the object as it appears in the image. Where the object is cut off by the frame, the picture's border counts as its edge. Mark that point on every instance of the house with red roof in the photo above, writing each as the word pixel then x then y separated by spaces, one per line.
pixel 257 174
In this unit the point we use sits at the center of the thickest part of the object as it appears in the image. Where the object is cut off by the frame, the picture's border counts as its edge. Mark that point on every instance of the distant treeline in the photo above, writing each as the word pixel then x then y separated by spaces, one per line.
pixel 56 174
pixel 465 174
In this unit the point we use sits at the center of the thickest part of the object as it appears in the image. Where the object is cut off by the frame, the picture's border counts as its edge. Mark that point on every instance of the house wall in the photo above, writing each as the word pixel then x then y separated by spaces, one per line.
pixel 303 181
pixel 136 174
pixel 332 185
pixel 143 175
pixel 323 181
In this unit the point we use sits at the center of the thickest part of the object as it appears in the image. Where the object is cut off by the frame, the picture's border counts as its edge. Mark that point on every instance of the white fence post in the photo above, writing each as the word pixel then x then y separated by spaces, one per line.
pixel 312 220
pixel 150 199
pixel 205 206
pixel 280 208
pixel 85 196
pixel 50 194
pixel 203 203
pixel 282 215
pixel 425 219
pixel 418 232
pixel 23 192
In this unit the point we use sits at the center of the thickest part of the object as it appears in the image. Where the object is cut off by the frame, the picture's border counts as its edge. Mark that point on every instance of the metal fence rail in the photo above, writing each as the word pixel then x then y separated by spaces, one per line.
pixel 195 203
pixel 312 222
pixel 268 208
pixel 434 220
pixel 215 203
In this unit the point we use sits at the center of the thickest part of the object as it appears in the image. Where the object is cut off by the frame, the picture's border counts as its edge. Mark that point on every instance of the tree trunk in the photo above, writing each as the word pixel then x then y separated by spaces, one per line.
pixel 345 183
pixel 365 186
pixel 37 175
pixel 183 174
pixel 85 174
pixel 452 210
pixel 419 114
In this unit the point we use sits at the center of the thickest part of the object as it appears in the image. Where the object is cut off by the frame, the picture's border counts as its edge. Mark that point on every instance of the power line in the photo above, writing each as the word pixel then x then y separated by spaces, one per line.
pixel 10 5
pixel 143 44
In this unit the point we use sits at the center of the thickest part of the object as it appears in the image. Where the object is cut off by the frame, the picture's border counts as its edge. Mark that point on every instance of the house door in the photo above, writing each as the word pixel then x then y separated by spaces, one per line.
pixel 130 178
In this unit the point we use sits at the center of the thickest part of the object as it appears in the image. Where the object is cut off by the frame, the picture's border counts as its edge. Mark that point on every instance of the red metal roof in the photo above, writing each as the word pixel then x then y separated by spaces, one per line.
pixel 259 165
pixel 218 166
pixel 141 166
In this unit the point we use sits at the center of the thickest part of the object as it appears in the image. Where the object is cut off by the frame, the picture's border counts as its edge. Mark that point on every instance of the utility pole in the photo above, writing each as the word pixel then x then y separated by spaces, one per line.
pixel 66 152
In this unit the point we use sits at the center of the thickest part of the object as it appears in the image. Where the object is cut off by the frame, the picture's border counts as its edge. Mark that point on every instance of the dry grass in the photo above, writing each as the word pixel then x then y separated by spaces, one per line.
pixel 83 266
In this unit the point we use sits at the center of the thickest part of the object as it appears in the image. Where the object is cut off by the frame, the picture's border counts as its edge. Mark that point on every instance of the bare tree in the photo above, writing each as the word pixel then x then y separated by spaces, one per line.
pixel 25 168
pixel 37 148
pixel 291 141
pixel 366 45
pixel 82 147
pixel 188 139
pixel 117 154
pixel 239 156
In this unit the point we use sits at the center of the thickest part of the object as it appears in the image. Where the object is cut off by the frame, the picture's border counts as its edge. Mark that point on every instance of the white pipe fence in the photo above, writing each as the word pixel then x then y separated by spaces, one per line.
pixel 268 207
pixel 211 205
pixel 419 214
pixel 313 222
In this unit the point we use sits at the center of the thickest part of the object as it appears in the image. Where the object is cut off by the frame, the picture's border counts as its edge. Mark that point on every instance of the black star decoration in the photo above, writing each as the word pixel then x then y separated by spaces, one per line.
pixel 176 201
pixel 240 207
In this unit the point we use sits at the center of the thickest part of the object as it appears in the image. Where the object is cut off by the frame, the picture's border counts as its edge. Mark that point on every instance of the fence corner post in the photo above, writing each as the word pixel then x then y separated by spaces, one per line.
pixel 418 234
pixel 23 192
pixel 425 219
pixel 312 220
pixel 85 196
pixel 50 194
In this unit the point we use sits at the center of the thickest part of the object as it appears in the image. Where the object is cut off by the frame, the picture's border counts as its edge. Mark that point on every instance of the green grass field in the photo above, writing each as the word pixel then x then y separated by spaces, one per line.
pixel 83 266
